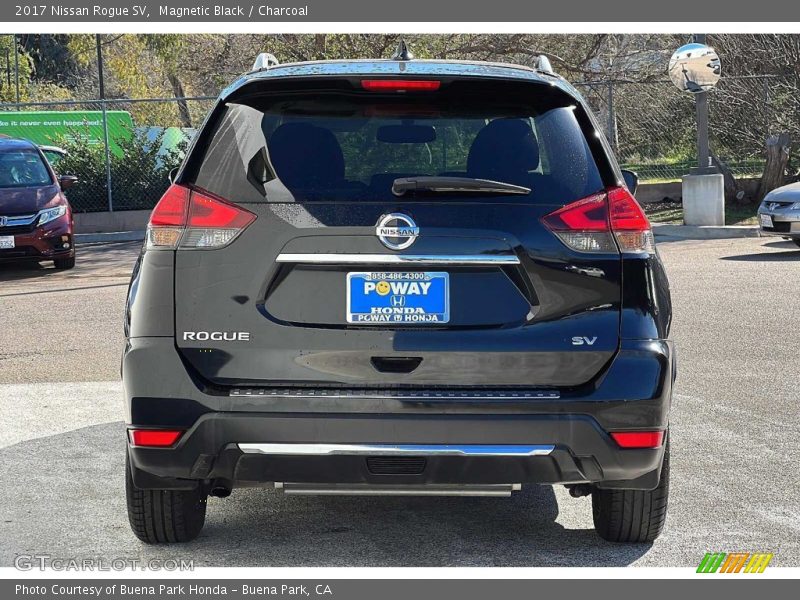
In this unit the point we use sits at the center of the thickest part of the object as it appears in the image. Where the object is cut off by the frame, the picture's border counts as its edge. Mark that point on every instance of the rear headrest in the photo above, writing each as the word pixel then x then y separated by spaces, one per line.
pixel 305 155
pixel 504 150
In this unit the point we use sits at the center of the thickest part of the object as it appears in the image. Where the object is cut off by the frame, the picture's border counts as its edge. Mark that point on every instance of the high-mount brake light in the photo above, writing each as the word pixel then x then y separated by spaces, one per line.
pixel 154 438
pixel 192 218
pixel 593 224
pixel 638 439
pixel 400 85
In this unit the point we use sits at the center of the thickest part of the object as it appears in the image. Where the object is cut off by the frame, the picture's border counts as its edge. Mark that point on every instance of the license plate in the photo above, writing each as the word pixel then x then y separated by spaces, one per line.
pixel 766 221
pixel 6 242
pixel 415 298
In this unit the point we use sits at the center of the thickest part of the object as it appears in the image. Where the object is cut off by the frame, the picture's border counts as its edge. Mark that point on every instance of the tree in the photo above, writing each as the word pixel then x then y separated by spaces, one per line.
pixel 8 88
pixel 168 48
pixel 755 110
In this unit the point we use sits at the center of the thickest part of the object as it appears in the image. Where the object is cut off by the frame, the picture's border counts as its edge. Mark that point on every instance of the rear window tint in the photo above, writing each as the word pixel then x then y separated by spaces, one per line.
pixel 351 147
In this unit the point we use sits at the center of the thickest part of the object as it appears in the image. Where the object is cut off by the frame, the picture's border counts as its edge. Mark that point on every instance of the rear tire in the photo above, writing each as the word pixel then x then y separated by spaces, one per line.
pixel 64 263
pixel 632 516
pixel 164 516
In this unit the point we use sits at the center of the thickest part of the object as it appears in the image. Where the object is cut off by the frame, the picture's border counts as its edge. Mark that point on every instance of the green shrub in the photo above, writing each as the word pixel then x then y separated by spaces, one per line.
pixel 139 173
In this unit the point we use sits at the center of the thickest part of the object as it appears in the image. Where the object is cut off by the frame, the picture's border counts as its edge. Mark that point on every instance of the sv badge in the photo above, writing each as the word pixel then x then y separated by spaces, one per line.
pixel 583 340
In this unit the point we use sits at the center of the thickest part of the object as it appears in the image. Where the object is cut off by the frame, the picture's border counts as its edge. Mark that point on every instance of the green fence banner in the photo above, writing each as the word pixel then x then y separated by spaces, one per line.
pixel 49 127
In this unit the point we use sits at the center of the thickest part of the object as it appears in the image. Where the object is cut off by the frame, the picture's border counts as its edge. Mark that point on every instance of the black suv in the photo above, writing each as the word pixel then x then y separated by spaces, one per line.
pixel 398 277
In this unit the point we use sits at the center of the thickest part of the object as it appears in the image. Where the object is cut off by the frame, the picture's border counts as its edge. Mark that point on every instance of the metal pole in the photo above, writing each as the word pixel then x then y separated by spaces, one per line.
pixel 766 108
pixel 8 67
pixel 105 120
pixel 16 64
pixel 701 110
pixel 612 139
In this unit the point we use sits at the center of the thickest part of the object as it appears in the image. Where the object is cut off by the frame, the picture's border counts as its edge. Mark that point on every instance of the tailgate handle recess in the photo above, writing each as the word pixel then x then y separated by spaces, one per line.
pixel 395 364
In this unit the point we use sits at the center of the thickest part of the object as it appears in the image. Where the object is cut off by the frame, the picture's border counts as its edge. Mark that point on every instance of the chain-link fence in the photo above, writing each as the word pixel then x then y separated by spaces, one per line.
pixel 123 149
pixel 652 125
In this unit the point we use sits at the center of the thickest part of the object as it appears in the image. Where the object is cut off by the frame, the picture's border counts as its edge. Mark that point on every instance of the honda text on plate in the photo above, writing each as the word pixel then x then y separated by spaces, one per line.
pixel 398 277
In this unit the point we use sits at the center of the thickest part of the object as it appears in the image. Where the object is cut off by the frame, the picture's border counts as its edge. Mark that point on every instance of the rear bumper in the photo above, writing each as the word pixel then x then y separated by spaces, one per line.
pixel 634 393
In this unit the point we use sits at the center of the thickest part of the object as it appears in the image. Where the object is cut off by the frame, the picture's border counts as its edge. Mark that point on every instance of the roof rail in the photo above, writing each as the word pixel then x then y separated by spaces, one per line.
pixel 543 64
pixel 264 61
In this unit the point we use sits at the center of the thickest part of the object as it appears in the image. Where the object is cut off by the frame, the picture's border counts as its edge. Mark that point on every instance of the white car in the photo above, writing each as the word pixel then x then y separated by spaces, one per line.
pixel 779 213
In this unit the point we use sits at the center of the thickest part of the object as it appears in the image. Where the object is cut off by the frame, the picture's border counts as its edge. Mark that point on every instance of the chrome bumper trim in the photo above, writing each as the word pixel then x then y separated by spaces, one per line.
pixel 399 259
pixel 397 449
pixel 355 489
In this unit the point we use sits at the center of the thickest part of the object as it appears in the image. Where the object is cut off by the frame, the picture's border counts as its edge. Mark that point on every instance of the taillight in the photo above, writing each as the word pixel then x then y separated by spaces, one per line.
pixel 400 85
pixel 191 218
pixel 154 438
pixel 629 223
pixel 638 439
pixel 168 219
pixel 583 225
pixel 593 223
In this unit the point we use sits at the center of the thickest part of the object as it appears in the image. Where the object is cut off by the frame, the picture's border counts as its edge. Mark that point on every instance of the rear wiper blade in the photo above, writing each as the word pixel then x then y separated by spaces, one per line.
pixel 402 185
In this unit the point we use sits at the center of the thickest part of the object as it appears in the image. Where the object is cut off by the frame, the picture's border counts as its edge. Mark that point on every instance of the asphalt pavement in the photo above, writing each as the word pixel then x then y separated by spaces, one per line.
pixel 735 484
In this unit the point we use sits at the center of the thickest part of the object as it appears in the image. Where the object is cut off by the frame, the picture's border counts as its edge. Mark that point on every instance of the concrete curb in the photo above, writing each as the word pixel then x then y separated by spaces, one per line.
pixel 705 232
pixel 105 238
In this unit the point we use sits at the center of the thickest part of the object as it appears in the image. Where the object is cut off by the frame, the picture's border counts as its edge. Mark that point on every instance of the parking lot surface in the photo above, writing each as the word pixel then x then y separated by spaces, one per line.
pixel 735 483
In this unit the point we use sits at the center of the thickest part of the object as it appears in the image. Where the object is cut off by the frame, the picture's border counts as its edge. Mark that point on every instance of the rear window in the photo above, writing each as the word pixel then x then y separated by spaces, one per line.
pixel 22 168
pixel 352 147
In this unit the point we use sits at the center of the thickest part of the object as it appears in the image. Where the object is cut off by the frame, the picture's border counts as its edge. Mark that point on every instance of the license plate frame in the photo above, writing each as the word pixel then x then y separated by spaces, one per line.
pixel 415 298
pixel 7 242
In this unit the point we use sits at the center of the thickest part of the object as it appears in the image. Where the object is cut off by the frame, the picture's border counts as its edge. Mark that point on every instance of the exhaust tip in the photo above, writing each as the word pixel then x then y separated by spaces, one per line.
pixel 220 491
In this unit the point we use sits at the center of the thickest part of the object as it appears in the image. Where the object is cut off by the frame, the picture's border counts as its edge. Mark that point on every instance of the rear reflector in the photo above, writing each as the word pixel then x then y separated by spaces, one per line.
pixel 594 223
pixel 638 439
pixel 400 85
pixel 194 218
pixel 153 438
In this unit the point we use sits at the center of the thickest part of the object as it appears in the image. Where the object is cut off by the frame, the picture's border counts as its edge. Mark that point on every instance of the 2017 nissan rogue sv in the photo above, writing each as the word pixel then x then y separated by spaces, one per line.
pixel 398 277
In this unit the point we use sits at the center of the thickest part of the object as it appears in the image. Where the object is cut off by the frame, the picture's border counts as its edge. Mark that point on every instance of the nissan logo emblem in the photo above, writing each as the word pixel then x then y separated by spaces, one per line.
pixel 396 231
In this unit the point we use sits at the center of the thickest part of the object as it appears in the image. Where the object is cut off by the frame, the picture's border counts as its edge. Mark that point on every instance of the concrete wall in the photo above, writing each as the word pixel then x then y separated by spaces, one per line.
pixel 657 192
pixel 105 222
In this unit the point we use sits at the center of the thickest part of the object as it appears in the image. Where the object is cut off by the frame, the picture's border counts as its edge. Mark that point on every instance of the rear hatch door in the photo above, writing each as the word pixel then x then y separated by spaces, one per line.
pixel 339 280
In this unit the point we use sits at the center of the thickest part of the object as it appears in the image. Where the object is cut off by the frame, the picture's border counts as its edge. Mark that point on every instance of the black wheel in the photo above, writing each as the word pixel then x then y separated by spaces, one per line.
pixel 633 516
pixel 164 516
pixel 64 263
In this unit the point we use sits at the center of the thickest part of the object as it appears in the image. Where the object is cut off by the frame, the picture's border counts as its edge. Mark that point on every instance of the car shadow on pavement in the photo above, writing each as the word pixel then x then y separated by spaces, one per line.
pixel 788 244
pixel 790 255
pixel 113 259
pixel 12 271
pixel 63 495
